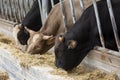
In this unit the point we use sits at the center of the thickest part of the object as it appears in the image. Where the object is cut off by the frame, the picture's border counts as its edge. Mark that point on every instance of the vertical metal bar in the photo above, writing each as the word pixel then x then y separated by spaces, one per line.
pixel 0 8
pixel 82 5
pixel 28 4
pixel 14 9
pixel 39 2
pixel 72 11
pixel 7 10
pixel 63 14
pixel 11 11
pixel 98 23
pixel 113 24
pixel 31 3
pixel 44 10
pixel 8 14
pixel 19 11
pixel 23 8
pixel 52 3
pixel 3 11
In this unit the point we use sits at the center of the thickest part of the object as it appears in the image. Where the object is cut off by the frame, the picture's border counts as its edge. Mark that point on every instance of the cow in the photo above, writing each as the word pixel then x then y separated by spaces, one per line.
pixel 73 46
pixel 32 21
pixel 44 39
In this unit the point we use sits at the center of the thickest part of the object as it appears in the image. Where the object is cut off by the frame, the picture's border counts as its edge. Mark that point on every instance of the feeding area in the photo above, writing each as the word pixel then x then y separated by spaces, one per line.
pixel 59 40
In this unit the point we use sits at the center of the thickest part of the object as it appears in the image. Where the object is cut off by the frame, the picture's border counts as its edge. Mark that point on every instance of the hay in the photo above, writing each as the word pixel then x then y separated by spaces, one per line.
pixel 83 73
pixel 4 39
pixel 79 73
pixel 4 75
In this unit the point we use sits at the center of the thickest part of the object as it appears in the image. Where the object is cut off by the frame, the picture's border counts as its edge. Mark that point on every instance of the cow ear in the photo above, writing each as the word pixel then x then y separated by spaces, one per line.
pixel 71 44
pixel 18 26
pixel 61 38
pixel 46 37
pixel 30 31
pixel 50 40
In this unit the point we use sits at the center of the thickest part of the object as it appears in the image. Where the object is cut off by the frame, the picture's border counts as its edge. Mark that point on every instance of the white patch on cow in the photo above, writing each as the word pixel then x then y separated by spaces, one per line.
pixel 35 37
pixel 15 31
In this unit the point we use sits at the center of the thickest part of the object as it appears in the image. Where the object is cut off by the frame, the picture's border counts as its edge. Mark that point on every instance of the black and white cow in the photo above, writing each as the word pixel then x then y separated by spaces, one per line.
pixel 72 47
pixel 31 21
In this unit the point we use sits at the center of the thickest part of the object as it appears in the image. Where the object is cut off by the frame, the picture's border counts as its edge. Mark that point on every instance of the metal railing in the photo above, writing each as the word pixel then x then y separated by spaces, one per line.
pixel 114 26
pixel 14 10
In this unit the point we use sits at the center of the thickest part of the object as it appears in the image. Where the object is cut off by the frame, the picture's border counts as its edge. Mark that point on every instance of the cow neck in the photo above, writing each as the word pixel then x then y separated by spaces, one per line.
pixel 52 24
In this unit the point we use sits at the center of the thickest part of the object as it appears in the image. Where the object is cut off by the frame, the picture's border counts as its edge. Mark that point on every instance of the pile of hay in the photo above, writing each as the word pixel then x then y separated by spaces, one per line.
pixel 4 75
pixel 27 60
pixel 83 73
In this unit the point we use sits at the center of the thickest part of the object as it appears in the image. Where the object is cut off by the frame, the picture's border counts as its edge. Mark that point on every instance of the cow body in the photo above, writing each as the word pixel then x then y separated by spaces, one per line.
pixel 32 19
pixel 72 47
pixel 53 25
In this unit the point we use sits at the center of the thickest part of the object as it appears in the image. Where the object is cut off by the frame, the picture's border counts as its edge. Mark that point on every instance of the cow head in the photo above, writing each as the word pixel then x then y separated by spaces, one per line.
pixel 65 55
pixel 21 34
pixel 40 43
pixel 68 52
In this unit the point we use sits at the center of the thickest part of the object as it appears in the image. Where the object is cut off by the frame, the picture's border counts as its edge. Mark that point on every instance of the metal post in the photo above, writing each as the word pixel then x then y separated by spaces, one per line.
pixel 0 9
pixel 98 23
pixel 20 15
pixel 23 8
pixel 113 24
pixel 28 4
pixel 72 11
pixel 82 5
pixel 6 10
pixel 44 10
pixel 14 10
pixel 63 14
pixel 39 2
pixel 3 11
pixel 52 2
pixel 10 18
pixel 11 11
pixel 16 13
